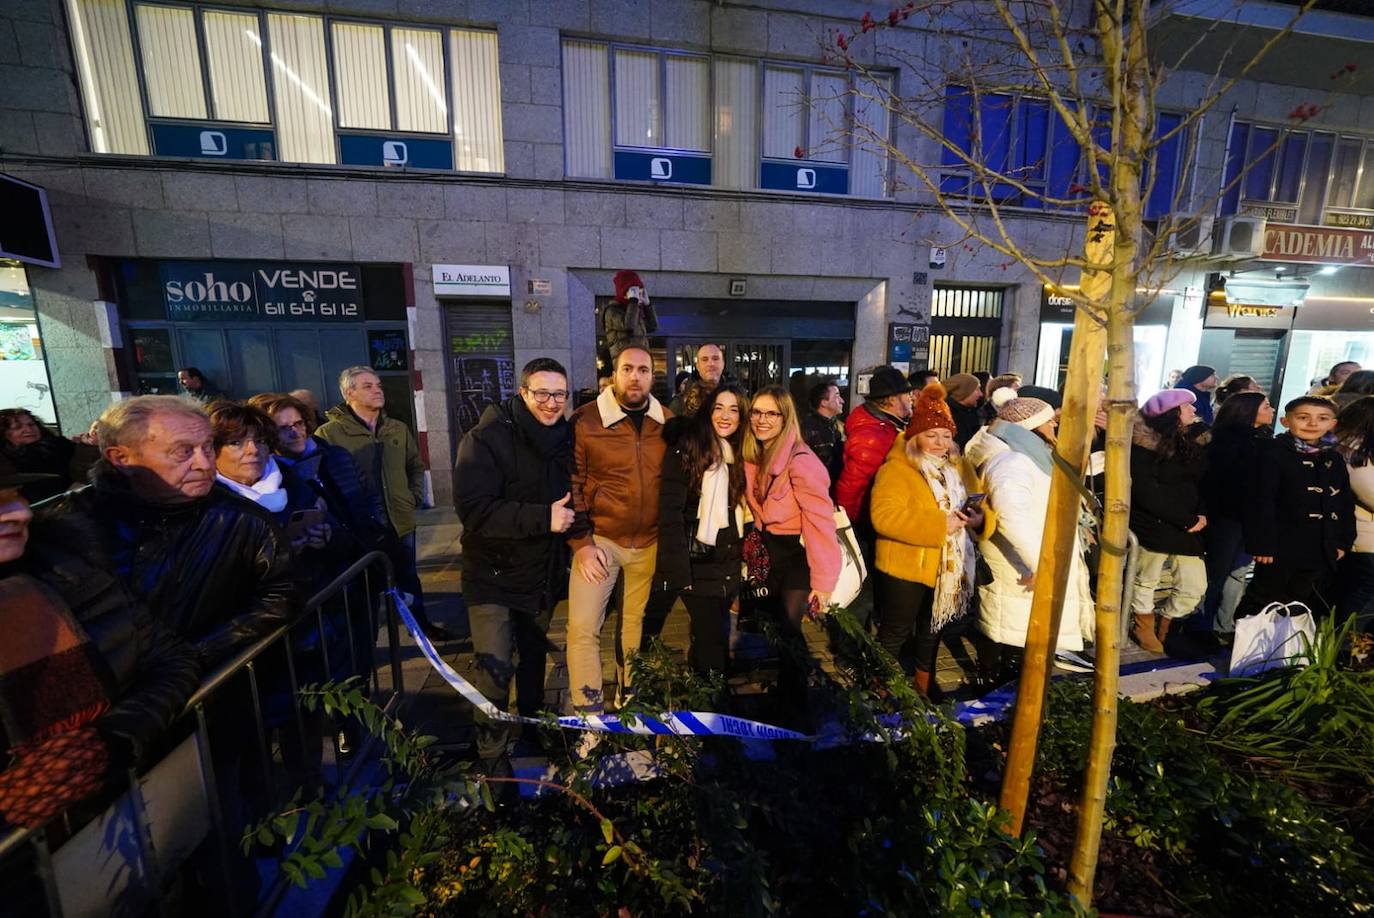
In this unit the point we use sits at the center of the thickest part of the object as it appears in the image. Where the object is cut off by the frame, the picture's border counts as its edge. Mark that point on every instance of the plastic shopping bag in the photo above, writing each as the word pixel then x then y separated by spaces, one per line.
pixel 1280 635
pixel 853 571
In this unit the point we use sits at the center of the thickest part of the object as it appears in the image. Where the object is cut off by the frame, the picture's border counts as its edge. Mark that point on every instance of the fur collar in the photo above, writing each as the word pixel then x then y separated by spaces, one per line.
pixel 608 407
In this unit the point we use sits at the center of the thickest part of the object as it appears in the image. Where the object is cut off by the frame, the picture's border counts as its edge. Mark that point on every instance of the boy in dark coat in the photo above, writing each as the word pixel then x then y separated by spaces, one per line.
pixel 512 490
pixel 1301 516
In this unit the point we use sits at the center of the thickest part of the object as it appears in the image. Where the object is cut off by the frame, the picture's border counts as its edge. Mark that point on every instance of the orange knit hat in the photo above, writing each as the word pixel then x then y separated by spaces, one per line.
pixel 930 411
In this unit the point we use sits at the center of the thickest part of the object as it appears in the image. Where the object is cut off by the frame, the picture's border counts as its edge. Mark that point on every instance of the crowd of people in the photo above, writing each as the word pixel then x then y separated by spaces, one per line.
pixel 203 523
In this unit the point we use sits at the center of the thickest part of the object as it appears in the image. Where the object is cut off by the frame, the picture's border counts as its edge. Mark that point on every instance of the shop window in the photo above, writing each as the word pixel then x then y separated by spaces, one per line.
pixel 1306 172
pixel 23 365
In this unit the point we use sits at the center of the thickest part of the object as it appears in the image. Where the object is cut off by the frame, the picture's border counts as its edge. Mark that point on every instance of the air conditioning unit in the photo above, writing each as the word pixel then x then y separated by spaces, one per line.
pixel 1240 237
pixel 1193 235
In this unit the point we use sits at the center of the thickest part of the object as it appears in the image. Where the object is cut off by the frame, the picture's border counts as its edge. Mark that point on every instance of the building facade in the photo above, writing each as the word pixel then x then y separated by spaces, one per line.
pixel 444 190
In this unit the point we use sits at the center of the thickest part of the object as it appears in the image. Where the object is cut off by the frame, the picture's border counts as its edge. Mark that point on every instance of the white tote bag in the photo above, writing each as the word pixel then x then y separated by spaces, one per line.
pixel 852 567
pixel 1280 635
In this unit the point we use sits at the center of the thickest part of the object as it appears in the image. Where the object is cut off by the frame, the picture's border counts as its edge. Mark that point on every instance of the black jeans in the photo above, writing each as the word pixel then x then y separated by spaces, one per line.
pixel 500 633
pixel 1280 582
pixel 1357 590
pixel 906 608
pixel 710 622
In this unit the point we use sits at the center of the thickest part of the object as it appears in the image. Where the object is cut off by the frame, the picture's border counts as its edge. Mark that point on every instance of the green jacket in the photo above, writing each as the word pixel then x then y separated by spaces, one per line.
pixel 388 459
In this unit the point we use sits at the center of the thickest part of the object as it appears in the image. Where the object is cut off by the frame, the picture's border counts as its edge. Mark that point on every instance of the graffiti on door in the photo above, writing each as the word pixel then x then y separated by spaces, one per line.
pixel 482 381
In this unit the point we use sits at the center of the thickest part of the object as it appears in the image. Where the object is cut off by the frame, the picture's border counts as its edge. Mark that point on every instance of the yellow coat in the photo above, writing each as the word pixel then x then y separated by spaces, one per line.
pixel 910 525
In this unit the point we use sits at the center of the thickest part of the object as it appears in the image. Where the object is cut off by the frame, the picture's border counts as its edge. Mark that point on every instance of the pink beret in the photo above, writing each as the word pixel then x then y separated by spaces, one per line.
pixel 1167 400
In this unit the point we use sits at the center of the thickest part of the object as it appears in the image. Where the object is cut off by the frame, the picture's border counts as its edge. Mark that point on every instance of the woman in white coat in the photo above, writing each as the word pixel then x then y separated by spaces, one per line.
pixel 1013 461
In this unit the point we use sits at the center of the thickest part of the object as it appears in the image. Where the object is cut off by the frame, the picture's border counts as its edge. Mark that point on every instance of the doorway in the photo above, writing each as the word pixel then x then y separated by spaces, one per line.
pixel 481 362
pixel 753 363
pixel 965 329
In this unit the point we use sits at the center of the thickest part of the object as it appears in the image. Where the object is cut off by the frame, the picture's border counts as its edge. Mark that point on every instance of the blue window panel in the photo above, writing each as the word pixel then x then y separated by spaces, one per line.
pixel 1235 163
pixel 1102 139
pixel 1065 158
pixel 380 150
pixel 778 176
pixel 1163 179
pixel 1032 140
pixel 994 131
pixel 1261 174
pixel 958 124
pixel 666 168
pixel 210 141
pixel 955 184
pixel 1318 168
pixel 1290 167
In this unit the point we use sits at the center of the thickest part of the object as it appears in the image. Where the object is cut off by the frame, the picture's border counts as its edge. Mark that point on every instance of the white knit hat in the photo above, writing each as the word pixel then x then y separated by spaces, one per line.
pixel 1001 396
pixel 1029 413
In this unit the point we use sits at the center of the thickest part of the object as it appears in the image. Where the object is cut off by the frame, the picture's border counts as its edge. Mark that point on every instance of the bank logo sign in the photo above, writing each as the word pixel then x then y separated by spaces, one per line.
pixel 226 291
pixel 472 280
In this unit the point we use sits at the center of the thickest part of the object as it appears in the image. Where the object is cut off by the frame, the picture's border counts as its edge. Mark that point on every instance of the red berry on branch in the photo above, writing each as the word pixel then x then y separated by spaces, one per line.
pixel 797 151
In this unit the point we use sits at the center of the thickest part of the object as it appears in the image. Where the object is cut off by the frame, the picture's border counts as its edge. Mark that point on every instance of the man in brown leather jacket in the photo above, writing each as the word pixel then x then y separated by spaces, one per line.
pixel 617 454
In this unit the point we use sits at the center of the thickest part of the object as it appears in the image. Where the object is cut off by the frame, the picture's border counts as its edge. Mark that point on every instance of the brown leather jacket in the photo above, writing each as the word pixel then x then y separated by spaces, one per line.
pixel 616 472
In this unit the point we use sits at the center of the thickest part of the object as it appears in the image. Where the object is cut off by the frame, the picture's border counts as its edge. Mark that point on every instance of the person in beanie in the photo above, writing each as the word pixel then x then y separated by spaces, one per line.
pixel 1168 461
pixel 1012 458
pixel 630 319
pixel 869 434
pixel 924 575
pixel 962 395
pixel 1300 520
pixel 1200 380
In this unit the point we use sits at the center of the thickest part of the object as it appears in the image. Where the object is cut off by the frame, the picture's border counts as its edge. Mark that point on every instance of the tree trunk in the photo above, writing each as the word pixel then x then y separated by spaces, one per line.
pixel 1082 390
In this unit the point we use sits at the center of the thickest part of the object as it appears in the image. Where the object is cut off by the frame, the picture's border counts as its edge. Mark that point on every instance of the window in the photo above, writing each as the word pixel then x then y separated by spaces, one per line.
pixel 1296 175
pixel 806 112
pixel 662 101
pixel 324 77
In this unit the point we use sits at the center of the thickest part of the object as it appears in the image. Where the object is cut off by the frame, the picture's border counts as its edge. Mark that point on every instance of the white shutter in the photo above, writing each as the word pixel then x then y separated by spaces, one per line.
pixel 687 114
pixel 783 110
pixel 735 162
pixel 233 50
pixel 869 176
pixel 476 101
pixel 638 122
pixel 300 80
pixel 171 61
pixel 417 62
pixel 109 82
pixel 826 113
pixel 360 82
pixel 586 109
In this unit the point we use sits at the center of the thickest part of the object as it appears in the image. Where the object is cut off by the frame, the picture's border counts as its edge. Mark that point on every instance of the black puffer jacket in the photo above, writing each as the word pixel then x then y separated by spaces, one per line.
pixel 1166 494
pixel 52 455
pixel 716 575
pixel 1231 459
pixel 150 672
pixel 510 470
pixel 216 571
pixel 1300 508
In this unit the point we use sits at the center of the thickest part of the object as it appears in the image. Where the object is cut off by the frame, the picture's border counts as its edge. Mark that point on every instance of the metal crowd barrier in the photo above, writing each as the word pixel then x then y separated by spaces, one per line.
pixel 167 830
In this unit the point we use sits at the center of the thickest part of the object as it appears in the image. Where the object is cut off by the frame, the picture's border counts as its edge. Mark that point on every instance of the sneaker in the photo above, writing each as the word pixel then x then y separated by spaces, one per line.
pixel 1072 662
pixel 588 741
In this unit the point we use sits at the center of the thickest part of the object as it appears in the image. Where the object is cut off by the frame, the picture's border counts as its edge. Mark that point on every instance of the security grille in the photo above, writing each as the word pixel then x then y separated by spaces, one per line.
pixel 966 324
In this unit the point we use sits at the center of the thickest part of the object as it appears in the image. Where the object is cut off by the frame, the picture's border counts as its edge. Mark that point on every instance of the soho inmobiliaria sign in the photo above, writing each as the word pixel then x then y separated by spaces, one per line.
pixel 1318 245
pixel 472 280
pixel 227 291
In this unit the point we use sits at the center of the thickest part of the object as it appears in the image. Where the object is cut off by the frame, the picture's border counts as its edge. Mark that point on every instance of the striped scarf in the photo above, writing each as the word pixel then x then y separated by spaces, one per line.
pixel 955 575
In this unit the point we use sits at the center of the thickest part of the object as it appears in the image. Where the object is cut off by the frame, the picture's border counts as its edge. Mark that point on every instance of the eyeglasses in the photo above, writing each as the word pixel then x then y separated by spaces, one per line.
pixel 294 425
pixel 240 445
pixel 770 416
pixel 542 396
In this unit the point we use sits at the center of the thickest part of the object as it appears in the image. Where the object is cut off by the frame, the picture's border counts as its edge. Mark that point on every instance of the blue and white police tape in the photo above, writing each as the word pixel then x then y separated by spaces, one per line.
pixel 679 723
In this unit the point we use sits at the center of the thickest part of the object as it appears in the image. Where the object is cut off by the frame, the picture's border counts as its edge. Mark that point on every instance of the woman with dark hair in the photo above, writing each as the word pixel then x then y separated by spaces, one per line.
pixel 1243 423
pixel 1234 385
pixel 1355 440
pixel 1356 386
pixel 29 447
pixel 1168 459
pixel 700 524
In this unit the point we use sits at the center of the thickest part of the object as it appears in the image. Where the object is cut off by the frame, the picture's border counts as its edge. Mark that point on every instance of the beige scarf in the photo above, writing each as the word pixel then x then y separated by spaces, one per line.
pixel 955 577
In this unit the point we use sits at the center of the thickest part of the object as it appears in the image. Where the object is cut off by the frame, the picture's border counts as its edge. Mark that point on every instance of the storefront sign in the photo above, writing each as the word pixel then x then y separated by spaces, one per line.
pixel 26 232
pixel 1055 305
pixel 669 168
pixel 1269 212
pixel 472 280
pixel 227 291
pixel 397 152
pixel 217 142
pixel 779 176
pixel 1318 245
pixel 1357 221
pixel 1221 314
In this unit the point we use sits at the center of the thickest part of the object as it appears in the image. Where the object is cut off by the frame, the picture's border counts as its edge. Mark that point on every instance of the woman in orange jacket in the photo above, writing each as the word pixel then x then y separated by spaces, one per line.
pixel 925 557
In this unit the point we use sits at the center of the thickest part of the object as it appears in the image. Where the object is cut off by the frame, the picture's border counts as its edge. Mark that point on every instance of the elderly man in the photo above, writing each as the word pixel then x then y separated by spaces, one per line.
pixel 389 460
pixel 211 567
pixel 710 362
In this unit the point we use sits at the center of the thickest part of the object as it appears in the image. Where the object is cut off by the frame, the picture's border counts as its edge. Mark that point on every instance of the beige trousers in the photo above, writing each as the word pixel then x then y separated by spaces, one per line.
pixel 587 613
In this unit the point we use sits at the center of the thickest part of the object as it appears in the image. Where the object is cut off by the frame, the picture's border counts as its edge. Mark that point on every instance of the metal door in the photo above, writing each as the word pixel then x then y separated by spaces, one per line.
pixel 481 361
pixel 965 329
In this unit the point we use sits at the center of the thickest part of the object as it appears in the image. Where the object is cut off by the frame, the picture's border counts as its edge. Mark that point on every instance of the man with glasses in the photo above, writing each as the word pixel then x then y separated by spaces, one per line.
pixel 617 457
pixel 389 459
pixel 512 491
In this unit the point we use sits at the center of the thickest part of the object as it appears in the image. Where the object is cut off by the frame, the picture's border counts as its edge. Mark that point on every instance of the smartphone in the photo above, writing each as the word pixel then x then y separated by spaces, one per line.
pixel 973 502
pixel 301 522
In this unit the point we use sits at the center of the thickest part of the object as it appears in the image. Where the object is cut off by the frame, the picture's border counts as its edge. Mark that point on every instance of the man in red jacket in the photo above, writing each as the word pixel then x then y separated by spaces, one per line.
pixel 869 434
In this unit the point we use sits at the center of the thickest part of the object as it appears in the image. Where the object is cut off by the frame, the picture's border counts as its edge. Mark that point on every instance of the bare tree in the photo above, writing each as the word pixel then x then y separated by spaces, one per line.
pixel 1087 69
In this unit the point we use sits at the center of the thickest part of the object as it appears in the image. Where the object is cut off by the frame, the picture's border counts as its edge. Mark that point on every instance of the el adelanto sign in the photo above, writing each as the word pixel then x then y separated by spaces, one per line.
pixel 472 280
pixel 218 291
pixel 1319 245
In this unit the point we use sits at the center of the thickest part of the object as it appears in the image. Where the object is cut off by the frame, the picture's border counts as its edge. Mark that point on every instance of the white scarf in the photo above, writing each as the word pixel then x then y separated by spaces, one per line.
pixel 955 577
pixel 266 492
pixel 713 510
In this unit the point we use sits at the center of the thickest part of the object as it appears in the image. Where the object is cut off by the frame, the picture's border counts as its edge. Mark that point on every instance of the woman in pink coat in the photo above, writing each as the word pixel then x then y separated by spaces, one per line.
pixel 788 490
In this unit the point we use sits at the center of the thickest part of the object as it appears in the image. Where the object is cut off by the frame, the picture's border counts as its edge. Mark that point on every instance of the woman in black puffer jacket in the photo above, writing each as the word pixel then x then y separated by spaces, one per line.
pixel 700 528
pixel 1244 422
pixel 1168 460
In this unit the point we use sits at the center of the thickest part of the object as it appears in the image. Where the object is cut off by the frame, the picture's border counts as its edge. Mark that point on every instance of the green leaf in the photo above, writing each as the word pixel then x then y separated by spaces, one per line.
pixel 382 822
pixel 607 831
pixel 612 855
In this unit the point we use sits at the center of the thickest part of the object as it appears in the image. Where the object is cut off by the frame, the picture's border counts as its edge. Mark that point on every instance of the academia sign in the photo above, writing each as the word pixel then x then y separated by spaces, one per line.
pixel 472 280
pixel 227 291
pixel 1319 245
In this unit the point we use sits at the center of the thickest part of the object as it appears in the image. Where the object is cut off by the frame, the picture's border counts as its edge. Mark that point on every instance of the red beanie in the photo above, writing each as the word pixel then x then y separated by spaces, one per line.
pixel 623 281
pixel 930 411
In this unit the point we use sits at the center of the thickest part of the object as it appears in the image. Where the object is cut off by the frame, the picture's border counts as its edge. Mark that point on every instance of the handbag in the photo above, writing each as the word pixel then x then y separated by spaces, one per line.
pixel 853 570
pixel 1279 635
